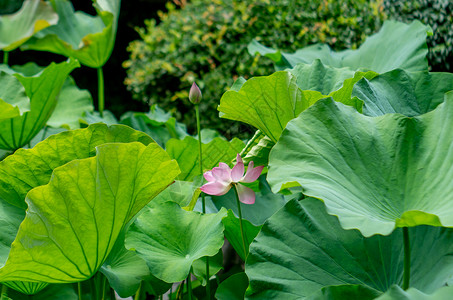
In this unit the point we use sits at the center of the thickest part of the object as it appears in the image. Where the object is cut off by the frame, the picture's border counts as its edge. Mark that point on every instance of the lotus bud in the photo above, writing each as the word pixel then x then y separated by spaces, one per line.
pixel 195 94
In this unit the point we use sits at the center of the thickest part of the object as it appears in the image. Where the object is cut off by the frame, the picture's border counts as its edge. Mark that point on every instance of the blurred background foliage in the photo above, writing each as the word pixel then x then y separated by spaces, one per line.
pixel 177 42
pixel 436 13
pixel 207 41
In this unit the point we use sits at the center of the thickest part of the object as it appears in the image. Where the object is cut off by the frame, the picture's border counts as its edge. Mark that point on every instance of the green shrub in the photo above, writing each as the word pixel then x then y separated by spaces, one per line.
pixel 207 41
pixel 436 13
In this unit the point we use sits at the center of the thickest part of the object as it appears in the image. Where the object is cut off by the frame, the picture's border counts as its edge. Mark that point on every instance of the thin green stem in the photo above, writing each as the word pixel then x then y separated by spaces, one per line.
pixel 94 287
pixel 200 153
pixel 104 283
pixel 101 92
pixel 180 290
pixel 189 285
pixel 137 294
pixel 4 292
pixel 79 289
pixel 5 57
pixel 203 201
pixel 240 221
pixel 407 259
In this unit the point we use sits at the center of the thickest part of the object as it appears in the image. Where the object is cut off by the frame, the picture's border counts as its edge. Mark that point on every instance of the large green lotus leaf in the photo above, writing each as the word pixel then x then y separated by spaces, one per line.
pixel 407 93
pixel 17 28
pixel 79 35
pixel 316 77
pixel 397 293
pixel 158 124
pixel 375 174
pixel 53 291
pixel 396 45
pixel 267 102
pixel 72 223
pixel 13 99
pixel 186 153
pixel 301 249
pixel 73 104
pixel 170 239
pixel 124 269
pixel 42 89
pixel 29 168
pixel 75 146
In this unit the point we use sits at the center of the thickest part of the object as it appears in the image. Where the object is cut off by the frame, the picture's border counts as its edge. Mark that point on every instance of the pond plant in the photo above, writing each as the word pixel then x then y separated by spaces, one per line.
pixel 343 192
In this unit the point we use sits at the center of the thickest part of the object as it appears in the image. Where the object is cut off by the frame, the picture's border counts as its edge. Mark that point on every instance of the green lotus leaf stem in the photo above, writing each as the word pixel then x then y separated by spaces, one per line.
pixel 100 92
pixel 189 285
pixel 4 294
pixel 5 57
pixel 79 289
pixel 407 258
pixel 200 156
pixel 137 294
pixel 180 290
pixel 200 160
pixel 240 221
pixel 104 283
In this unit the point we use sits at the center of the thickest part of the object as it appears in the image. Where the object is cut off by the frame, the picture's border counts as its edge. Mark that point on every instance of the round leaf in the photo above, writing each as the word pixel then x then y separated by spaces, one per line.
pixel 301 249
pixel 72 223
pixel 267 103
pixel 375 174
pixel 170 239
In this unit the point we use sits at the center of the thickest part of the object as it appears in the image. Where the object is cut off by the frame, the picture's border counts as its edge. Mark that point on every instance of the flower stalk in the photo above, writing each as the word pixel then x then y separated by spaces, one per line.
pixel 4 293
pixel 240 221
pixel 5 57
pixel 407 259
pixel 79 289
pixel 101 92
pixel 195 98
pixel 138 293
pixel 189 285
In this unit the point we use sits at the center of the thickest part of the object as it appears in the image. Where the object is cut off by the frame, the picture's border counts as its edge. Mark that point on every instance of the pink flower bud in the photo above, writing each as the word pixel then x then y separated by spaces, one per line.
pixel 195 94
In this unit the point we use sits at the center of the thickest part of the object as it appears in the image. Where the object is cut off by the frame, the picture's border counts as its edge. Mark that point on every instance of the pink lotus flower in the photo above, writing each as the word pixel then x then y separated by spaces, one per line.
pixel 222 178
